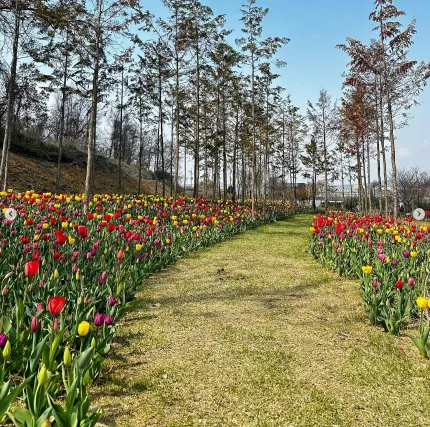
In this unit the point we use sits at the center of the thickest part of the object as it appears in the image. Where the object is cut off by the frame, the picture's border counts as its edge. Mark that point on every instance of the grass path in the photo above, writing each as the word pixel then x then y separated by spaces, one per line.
pixel 271 340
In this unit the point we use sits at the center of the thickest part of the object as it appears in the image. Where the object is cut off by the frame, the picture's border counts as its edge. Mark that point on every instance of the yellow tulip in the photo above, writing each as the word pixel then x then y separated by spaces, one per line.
pixel 367 269
pixel 422 303
pixel 83 328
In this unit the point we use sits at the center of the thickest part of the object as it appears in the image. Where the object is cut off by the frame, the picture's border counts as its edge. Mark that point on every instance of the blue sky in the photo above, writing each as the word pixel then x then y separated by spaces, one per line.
pixel 315 27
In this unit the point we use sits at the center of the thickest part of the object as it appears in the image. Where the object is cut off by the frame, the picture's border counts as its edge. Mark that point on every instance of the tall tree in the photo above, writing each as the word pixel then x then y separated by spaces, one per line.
pixel 256 49
pixel 322 115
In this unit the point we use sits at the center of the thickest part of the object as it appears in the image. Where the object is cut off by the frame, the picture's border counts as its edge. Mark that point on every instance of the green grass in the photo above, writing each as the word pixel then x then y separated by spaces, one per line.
pixel 272 340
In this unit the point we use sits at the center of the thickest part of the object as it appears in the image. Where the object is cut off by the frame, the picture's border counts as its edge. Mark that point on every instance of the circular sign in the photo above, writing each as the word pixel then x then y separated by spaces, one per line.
pixel 10 214
pixel 418 214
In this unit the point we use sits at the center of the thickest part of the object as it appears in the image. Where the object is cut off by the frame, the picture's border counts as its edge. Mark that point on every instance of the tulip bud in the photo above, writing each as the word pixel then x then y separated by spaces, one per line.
pixel 3 340
pixel 67 357
pixel 78 275
pixel 46 423
pixel 42 376
pixel 87 378
pixel 56 323
pixel 93 343
pixel 56 274
pixel 39 307
pixel 99 319
pixel 35 324
pixel 5 290
pixel 7 350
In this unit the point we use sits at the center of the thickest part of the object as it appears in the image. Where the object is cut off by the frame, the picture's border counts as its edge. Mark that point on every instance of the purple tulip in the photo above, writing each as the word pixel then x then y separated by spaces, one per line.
pixel 112 301
pixel 99 319
pixel 406 254
pixel 394 262
pixel 3 340
pixel 108 320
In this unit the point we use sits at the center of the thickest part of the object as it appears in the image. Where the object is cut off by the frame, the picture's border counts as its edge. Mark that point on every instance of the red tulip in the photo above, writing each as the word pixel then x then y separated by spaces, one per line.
pixel 31 268
pixel 83 231
pixel 56 305
pixel 399 284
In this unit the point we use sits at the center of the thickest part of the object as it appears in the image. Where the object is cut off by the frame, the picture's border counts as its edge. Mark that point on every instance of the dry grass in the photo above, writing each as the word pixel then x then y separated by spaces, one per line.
pixel 273 340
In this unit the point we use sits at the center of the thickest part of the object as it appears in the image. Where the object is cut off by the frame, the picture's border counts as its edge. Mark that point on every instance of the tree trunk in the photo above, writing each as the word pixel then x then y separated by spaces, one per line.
pixel 197 136
pixel 224 149
pixel 378 151
pixel 363 160
pixel 120 148
pixel 160 109
pixel 10 102
pixel 236 137
pixel 384 161
pixel 254 157
pixel 93 114
pixel 369 184
pixel 172 133
pixel 62 115
pixel 325 162
pixel 140 143
pixel 358 154
pixel 175 192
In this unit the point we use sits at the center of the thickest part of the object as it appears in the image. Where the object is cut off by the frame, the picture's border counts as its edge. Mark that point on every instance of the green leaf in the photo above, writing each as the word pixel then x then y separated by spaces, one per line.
pixel 71 396
pixel 47 414
pixel 9 395
pixel 60 415
pixel 22 417
pixel 6 325
pixel 84 359
pixel 35 356
pixel 421 348
pixel 55 345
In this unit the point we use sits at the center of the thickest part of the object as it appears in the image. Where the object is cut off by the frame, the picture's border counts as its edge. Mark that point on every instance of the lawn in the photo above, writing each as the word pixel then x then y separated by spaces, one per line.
pixel 253 332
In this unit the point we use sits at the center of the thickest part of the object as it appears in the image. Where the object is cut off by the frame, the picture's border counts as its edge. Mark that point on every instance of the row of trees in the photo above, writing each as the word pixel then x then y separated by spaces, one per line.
pixel 173 92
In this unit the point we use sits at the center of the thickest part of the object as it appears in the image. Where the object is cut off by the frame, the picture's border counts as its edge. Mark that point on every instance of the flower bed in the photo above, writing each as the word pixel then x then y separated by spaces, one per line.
pixel 67 278
pixel 390 258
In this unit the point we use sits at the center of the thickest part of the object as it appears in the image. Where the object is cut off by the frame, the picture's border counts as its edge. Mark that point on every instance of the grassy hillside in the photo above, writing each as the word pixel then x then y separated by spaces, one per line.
pixel 33 165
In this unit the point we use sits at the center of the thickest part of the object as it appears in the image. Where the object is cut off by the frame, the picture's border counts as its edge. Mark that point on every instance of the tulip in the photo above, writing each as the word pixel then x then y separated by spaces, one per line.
pixel 55 324
pixel 108 320
pixel 83 328
pixel 39 307
pixel 67 358
pixel 35 324
pixel 31 268
pixel 112 301
pixel 42 376
pixel 399 284
pixel 7 351
pixel 422 303
pixel 56 305
pixel 5 290
pixel 120 254
pixel 3 340
pixel 99 319
pixel 411 281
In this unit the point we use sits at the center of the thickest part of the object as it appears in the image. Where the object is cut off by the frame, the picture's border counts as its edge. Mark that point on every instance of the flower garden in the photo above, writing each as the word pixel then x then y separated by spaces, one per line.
pixel 391 259
pixel 68 277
